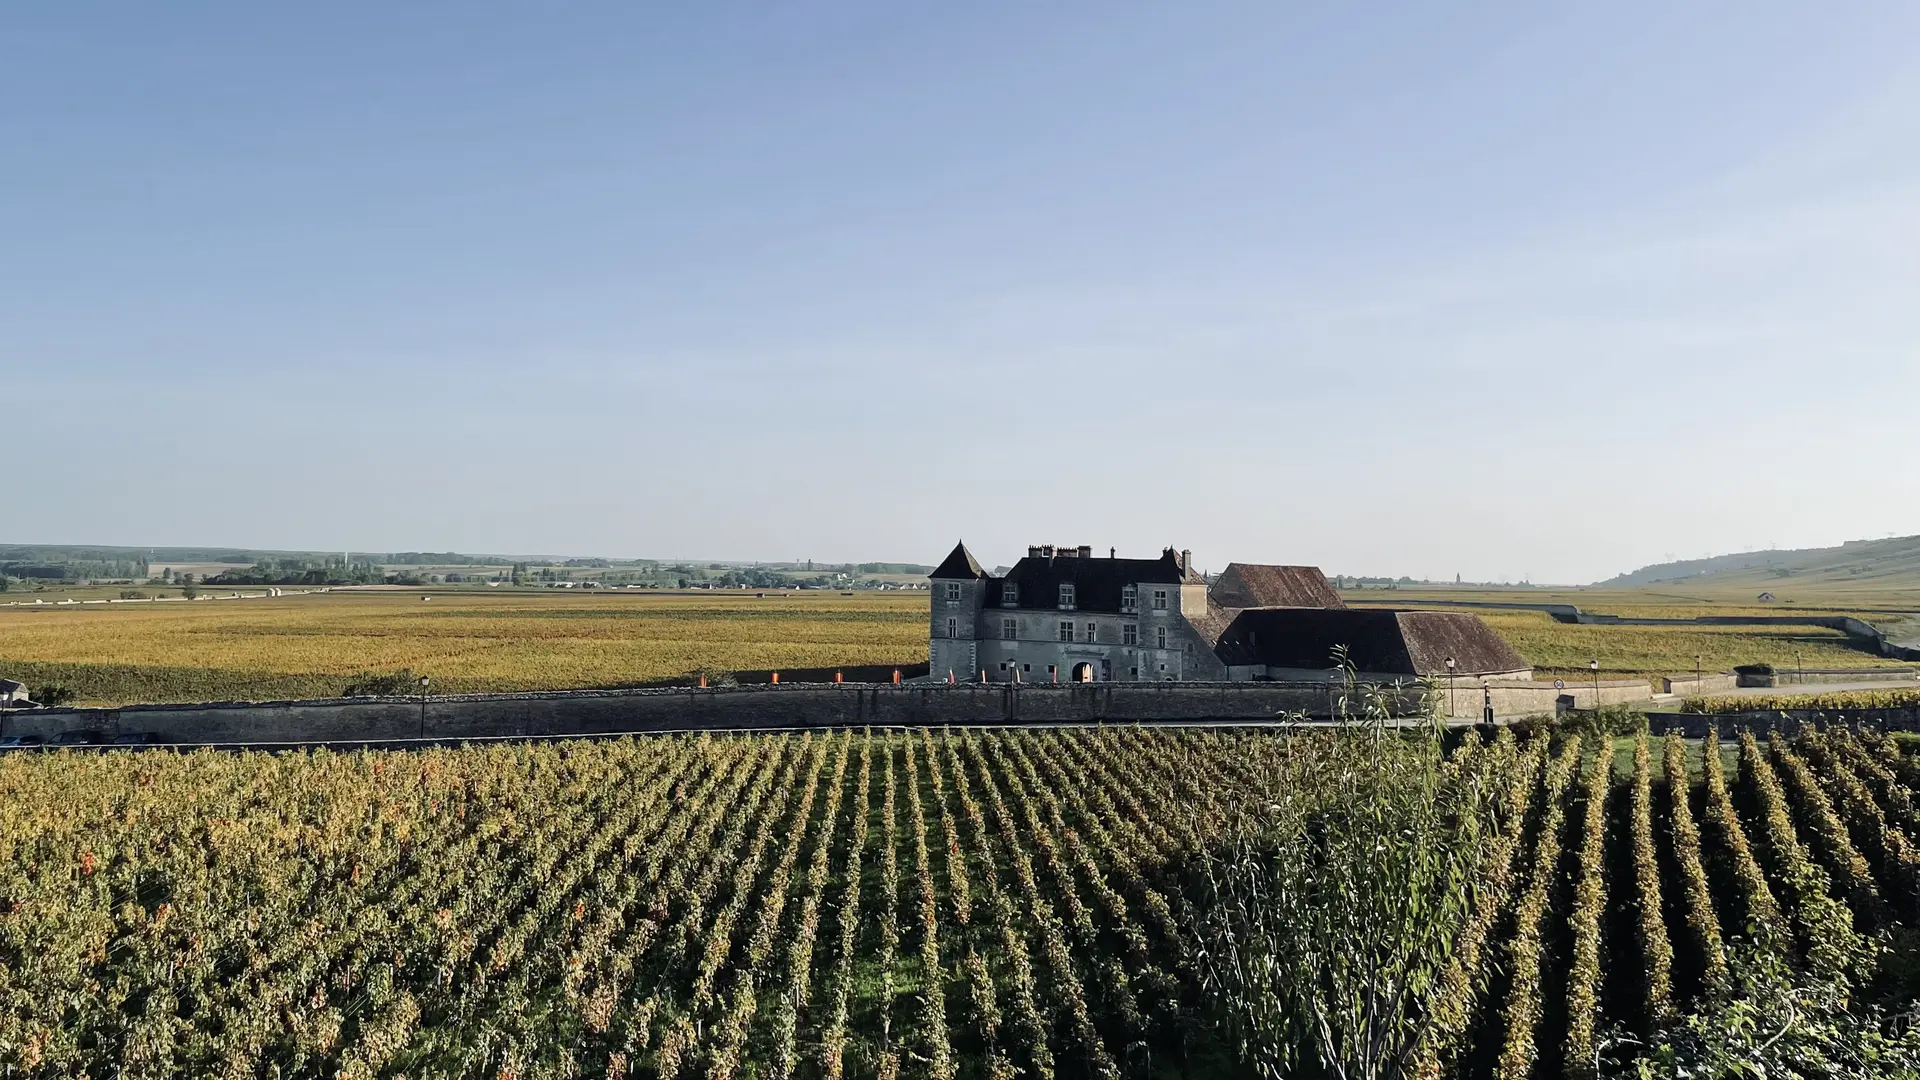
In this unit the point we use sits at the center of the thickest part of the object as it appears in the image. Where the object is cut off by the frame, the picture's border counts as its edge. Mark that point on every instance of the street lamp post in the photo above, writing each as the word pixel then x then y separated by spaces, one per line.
pixel 1698 678
pixel 423 706
pixel 1594 666
pixel 1451 708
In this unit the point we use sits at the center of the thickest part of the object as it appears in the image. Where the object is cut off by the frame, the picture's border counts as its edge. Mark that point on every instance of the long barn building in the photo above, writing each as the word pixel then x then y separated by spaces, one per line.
pixel 1062 614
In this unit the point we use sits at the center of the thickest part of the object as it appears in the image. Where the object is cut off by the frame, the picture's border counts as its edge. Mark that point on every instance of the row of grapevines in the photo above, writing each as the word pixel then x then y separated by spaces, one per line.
pixel 1696 900
pixel 1649 921
pixel 1589 896
pixel 1518 1050
pixel 1824 925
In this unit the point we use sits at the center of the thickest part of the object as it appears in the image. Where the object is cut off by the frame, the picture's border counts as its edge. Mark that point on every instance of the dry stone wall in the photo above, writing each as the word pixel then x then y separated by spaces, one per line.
pixel 787 705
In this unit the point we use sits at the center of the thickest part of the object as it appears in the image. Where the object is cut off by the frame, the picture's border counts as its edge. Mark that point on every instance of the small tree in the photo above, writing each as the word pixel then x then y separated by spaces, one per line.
pixel 55 694
pixel 382 684
pixel 1327 916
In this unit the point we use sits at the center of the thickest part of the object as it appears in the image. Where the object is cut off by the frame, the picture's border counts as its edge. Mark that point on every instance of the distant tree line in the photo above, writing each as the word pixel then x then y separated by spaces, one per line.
pixel 297 571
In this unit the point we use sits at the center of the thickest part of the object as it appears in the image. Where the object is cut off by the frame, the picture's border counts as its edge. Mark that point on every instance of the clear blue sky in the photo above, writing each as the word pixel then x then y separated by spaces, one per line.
pixel 1499 289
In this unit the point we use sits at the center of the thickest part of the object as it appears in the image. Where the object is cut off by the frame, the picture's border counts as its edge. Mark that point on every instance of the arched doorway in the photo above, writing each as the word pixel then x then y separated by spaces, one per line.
pixel 1083 672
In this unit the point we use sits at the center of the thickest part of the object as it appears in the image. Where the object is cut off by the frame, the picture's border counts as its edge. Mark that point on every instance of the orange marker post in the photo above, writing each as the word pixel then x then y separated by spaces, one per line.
pixel 776 678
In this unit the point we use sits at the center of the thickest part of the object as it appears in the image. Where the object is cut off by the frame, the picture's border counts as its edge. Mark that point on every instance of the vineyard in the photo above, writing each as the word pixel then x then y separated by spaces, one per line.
pixel 471 642
pixel 846 904
pixel 1836 701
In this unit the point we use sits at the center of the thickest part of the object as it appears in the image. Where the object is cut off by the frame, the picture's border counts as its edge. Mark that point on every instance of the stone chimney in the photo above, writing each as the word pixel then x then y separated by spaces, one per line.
pixel 1186 561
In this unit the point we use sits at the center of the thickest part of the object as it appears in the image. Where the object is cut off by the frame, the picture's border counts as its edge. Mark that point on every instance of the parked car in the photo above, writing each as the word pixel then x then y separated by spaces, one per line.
pixel 84 737
pixel 21 742
pixel 136 738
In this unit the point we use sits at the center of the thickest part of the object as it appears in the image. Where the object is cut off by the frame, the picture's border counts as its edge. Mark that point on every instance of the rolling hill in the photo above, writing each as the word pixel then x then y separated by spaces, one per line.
pixel 1856 566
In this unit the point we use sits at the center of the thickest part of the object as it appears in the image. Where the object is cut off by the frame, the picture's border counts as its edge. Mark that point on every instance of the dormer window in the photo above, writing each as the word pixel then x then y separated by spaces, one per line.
pixel 1066 594
pixel 1010 594
pixel 1129 598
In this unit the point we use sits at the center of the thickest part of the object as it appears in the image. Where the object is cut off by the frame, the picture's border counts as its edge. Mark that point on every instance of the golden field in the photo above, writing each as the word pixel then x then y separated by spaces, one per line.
pixel 489 641
pixel 311 646
pixel 1556 648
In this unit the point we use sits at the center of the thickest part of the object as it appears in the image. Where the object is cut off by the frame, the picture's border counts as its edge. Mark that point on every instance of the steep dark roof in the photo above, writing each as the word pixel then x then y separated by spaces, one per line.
pixel 1096 582
pixel 1432 636
pixel 1257 585
pixel 1414 643
pixel 959 563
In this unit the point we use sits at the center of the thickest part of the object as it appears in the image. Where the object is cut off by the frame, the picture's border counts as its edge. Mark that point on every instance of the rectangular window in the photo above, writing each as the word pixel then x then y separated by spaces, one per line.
pixel 953 628
pixel 1009 628
pixel 1129 634
pixel 953 591
pixel 1066 629
pixel 1066 594
pixel 1091 627
pixel 1159 599
pixel 1129 598
pixel 1010 594
pixel 1160 637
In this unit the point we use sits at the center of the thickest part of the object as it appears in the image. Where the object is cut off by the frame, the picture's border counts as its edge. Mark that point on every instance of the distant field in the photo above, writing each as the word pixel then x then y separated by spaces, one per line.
pixel 309 646
pixel 1560 648
pixel 1557 648
pixel 480 640
pixel 1698 600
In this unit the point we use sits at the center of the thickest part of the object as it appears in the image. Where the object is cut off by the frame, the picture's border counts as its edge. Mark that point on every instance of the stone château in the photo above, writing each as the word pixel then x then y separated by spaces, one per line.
pixel 1062 614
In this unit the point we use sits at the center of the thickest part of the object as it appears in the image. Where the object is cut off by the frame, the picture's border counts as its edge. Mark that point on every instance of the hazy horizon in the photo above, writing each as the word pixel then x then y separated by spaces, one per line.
pixel 1497 290
pixel 988 559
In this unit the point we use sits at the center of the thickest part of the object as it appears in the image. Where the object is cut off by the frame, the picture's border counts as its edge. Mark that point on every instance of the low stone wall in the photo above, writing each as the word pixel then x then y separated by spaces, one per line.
pixel 382 720
pixel 787 705
pixel 1787 677
pixel 1687 685
pixel 1787 721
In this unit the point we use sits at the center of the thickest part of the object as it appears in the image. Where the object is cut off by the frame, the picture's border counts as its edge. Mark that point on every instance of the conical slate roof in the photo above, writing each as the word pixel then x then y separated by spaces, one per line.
pixel 959 564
